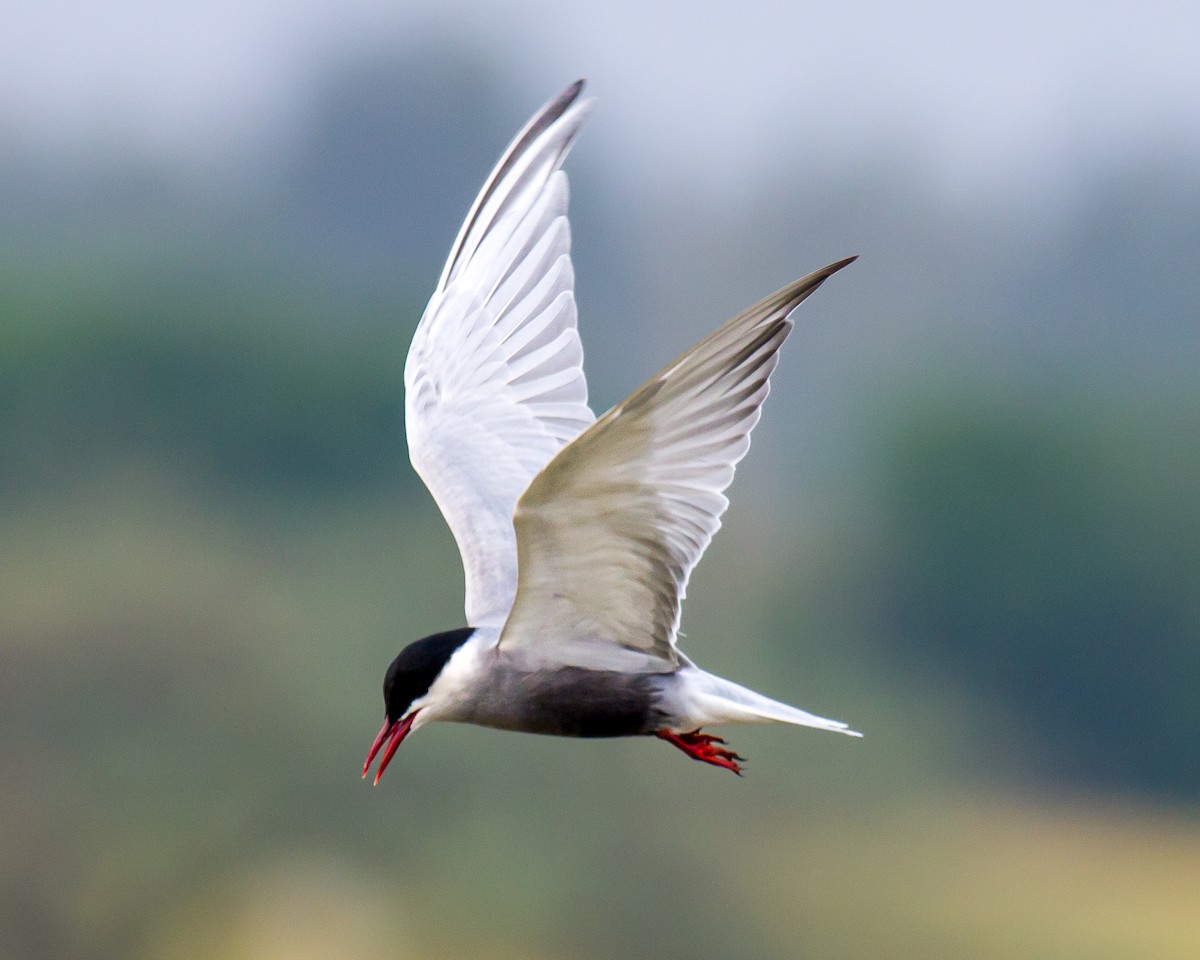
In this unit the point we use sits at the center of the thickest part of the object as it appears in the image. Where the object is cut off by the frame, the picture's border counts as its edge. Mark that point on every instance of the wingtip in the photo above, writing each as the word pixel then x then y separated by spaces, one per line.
pixel 833 268
pixel 574 101
pixel 565 99
pixel 791 296
pixel 567 102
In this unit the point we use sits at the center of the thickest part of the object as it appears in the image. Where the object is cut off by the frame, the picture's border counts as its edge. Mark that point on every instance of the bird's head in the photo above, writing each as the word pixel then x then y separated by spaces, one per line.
pixel 406 688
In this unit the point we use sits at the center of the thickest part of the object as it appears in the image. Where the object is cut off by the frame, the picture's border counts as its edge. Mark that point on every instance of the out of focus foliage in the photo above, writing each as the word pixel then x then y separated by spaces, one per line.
pixel 1049 560
pixel 255 387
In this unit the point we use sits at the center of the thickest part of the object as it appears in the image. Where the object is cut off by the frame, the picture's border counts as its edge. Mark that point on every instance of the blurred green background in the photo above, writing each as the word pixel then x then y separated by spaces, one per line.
pixel 968 525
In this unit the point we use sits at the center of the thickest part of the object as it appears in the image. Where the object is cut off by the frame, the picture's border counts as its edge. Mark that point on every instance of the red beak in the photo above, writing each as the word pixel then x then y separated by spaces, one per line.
pixel 393 735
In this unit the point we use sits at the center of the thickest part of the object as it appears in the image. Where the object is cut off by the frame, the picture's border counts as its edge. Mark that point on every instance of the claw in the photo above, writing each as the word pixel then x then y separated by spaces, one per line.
pixel 700 746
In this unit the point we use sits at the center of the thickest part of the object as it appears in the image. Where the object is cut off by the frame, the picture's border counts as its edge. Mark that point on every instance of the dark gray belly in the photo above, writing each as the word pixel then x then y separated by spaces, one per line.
pixel 569 702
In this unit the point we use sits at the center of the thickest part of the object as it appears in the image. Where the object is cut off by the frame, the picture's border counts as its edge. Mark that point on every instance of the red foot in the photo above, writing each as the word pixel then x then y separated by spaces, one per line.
pixel 700 746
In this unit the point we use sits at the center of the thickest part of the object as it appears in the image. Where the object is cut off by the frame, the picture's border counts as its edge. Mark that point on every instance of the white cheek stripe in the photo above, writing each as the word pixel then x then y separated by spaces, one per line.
pixel 459 677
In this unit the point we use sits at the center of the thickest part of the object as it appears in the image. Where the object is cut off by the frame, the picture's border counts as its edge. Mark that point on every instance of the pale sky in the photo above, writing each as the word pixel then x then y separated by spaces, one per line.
pixel 1006 96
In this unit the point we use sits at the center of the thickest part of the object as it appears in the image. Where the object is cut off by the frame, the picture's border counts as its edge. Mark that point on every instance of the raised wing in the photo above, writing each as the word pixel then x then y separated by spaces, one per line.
pixel 608 533
pixel 494 377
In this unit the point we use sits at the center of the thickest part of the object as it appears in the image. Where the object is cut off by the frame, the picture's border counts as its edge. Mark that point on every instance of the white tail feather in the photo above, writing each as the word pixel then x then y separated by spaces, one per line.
pixel 704 698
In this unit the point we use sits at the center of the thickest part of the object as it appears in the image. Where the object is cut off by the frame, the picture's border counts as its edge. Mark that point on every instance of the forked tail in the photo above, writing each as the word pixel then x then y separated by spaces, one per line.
pixel 722 701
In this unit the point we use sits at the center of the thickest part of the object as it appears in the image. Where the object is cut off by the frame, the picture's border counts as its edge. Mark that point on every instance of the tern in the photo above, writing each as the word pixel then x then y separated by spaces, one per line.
pixel 577 534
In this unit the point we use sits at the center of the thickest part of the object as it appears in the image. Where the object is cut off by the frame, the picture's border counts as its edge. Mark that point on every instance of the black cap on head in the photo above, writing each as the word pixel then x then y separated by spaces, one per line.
pixel 416 667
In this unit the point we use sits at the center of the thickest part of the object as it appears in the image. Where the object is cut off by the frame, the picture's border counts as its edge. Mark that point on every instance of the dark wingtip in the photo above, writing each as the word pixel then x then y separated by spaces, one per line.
pixel 795 293
pixel 833 268
pixel 560 103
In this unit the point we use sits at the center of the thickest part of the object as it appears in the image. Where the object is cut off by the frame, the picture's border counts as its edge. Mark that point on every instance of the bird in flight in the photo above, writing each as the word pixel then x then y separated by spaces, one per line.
pixel 577 534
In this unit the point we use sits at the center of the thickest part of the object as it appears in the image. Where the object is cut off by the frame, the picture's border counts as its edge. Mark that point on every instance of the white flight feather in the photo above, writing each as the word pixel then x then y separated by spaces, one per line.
pixel 494 377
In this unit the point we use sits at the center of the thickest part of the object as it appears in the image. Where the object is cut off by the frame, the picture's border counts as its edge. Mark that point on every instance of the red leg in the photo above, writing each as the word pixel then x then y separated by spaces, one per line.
pixel 701 746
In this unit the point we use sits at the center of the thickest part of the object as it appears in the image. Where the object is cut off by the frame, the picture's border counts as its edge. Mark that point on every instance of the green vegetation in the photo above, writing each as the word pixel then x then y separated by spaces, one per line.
pixel 1051 561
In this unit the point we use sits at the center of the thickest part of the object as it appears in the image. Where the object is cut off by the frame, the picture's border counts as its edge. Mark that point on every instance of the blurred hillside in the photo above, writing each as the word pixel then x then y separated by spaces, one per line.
pixel 967 526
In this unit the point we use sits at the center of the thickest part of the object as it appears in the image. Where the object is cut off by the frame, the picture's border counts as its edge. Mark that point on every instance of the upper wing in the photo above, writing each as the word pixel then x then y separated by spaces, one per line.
pixel 494 377
pixel 608 533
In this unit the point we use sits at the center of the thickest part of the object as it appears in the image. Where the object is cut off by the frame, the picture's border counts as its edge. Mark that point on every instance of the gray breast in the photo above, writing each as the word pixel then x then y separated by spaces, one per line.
pixel 568 702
